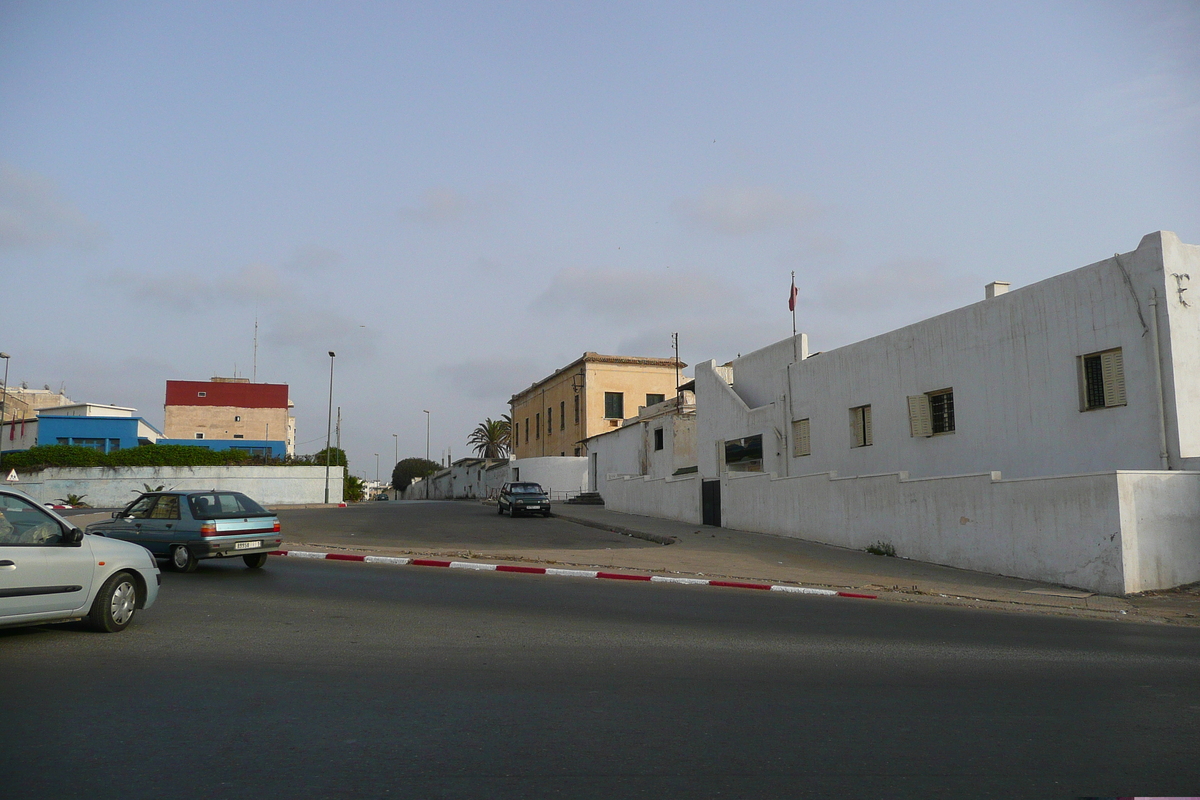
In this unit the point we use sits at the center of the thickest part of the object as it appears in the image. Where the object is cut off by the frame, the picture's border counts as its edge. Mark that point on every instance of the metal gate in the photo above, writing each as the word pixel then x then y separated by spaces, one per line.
pixel 710 502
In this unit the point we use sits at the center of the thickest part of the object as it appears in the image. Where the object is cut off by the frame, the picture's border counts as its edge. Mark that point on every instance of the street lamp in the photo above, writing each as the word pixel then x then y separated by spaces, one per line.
pixel 426 434
pixel 3 402
pixel 396 441
pixel 377 468
pixel 329 426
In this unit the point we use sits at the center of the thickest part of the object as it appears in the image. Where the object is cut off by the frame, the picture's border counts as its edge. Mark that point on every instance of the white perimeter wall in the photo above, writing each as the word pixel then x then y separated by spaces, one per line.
pixel 114 487
pixel 1115 532
pixel 556 474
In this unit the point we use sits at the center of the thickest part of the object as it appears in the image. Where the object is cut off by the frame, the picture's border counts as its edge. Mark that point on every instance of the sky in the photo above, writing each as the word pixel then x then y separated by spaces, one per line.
pixel 459 198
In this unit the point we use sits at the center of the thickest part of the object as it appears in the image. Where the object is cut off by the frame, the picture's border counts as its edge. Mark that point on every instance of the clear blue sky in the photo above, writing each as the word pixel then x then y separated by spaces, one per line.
pixel 460 197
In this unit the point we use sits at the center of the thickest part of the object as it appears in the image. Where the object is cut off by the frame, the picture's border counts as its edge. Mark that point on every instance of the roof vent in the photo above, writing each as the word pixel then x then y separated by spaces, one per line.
pixel 995 288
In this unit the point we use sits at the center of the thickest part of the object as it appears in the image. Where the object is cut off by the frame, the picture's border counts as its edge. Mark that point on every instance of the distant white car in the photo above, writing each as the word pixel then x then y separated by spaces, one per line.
pixel 50 571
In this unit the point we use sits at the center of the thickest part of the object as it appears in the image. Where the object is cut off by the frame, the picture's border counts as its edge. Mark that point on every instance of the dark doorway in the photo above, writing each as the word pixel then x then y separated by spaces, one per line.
pixel 710 502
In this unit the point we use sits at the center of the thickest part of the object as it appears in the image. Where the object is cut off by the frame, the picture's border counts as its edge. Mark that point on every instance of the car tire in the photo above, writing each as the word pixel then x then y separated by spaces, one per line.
pixel 255 560
pixel 115 604
pixel 181 559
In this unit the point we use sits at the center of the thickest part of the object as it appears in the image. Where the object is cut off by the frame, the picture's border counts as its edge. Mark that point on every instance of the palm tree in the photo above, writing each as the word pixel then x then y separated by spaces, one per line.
pixel 490 437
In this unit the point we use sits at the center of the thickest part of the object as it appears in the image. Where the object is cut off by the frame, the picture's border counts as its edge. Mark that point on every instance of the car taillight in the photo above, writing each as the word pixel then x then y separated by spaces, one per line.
pixel 208 529
pixel 276 528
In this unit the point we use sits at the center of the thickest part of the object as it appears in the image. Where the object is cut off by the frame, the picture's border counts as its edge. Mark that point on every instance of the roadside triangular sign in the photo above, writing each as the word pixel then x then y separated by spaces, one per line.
pixel 12 476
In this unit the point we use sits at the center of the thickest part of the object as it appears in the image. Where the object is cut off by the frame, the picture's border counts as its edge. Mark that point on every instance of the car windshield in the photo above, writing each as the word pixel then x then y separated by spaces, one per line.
pixel 218 505
pixel 526 488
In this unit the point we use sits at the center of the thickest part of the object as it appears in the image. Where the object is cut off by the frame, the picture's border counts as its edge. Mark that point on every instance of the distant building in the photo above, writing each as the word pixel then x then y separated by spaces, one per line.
pixel 593 394
pixel 96 425
pixel 228 413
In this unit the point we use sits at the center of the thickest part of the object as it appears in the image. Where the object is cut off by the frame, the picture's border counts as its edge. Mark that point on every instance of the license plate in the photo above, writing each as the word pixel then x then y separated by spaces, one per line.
pixel 246 545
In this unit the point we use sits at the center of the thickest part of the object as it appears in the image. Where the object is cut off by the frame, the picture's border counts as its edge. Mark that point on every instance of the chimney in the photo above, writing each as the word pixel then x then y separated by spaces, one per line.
pixel 995 289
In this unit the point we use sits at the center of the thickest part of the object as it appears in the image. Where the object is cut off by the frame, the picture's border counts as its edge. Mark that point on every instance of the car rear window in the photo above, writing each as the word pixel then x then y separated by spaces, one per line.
pixel 220 505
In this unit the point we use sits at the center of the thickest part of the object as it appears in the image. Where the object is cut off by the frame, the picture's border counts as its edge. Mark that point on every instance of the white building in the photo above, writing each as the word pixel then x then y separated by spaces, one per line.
pixel 1052 432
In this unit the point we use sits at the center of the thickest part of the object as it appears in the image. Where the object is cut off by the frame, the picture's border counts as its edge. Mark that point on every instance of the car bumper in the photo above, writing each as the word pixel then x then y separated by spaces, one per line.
pixel 223 548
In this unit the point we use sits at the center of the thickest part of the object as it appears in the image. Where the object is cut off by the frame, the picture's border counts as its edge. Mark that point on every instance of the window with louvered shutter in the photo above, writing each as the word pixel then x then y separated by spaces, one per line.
pixel 1102 378
pixel 801 445
pixel 919 423
pixel 860 426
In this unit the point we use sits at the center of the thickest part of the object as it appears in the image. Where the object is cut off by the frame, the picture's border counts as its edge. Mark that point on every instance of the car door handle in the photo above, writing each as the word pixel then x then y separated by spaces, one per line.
pixel 6 564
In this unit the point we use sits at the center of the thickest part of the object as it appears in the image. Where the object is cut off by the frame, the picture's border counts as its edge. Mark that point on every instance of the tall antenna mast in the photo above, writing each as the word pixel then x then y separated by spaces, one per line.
pixel 254 369
pixel 675 346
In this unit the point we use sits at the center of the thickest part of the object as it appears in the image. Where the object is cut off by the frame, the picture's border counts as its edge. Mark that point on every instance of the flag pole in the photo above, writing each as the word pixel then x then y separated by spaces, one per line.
pixel 792 305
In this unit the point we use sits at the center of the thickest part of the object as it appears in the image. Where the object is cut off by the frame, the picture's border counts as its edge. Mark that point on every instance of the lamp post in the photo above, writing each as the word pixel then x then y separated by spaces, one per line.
pixel 396 441
pixel 329 426
pixel 377 468
pixel 426 434
pixel 3 402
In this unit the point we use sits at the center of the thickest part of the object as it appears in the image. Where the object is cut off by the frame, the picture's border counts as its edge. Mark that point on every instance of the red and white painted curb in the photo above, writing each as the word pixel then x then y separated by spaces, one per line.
pixel 397 561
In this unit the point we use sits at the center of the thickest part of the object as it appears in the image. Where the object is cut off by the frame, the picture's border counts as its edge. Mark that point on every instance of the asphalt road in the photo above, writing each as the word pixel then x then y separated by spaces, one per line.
pixel 442 525
pixel 334 680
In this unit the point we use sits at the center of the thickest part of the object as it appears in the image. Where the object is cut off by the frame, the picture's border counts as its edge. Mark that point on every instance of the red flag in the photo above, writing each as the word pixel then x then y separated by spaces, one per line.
pixel 792 297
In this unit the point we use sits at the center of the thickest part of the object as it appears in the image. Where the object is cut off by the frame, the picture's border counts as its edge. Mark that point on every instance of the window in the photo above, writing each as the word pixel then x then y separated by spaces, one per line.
pixel 199 435
pixel 550 420
pixel 167 507
pixel 658 438
pixel 577 452
pixel 562 415
pixel 614 405
pixel 537 418
pixel 527 430
pixel 655 399
pixel 801 443
pixel 517 431
pixel 860 426
pixel 201 394
pixel 238 436
pixel 1102 380
pixel 931 413
pixel 576 409
pixel 744 455
pixel 24 524
pixel 237 418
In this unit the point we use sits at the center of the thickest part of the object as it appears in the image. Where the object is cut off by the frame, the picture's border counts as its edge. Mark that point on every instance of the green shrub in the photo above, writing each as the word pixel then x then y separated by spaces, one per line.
pixel 150 455
pixel 882 548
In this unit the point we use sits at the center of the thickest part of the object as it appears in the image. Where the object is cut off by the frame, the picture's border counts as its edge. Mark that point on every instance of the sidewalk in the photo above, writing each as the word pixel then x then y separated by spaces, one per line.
pixel 726 554
pixel 772 558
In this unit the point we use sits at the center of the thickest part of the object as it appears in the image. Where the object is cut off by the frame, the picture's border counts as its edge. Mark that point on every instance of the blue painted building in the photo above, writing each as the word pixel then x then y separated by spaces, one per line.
pixel 105 428
pixel 257 447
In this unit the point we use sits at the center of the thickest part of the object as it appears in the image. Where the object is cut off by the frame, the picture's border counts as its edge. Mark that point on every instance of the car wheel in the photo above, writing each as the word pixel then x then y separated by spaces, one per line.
pixel 115 604
pixel 182 559
pixel 255 560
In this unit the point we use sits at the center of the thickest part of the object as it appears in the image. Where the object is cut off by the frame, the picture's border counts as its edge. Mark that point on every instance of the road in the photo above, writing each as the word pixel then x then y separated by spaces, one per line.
pixel 332 680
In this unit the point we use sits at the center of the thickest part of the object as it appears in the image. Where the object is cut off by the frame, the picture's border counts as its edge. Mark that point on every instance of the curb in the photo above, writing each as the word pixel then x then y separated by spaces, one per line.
pixel 398 561
pixel 649 537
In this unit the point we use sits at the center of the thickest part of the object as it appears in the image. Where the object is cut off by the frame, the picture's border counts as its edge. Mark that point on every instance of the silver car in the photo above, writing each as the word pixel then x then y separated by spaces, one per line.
pixel 50 571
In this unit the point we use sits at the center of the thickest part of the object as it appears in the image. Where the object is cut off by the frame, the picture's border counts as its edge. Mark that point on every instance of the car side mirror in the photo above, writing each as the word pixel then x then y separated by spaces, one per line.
pixel 116 515
pixel 72 537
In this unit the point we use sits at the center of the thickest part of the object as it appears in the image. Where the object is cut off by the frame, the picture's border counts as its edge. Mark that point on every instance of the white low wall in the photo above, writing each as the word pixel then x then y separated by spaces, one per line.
pixel 114 487
pixel 560 475
pixel 670 498
pixel 1113 532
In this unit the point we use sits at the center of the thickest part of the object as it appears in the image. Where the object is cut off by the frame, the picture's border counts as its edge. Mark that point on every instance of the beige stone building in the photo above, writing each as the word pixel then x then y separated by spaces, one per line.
pixel 593 394
pixel 230 410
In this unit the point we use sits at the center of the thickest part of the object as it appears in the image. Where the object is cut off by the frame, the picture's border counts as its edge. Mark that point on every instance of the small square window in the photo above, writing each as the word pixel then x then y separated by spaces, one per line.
pixel 238 436
pixel 931 413
pixel 655 399
pixel 237 418
pixel 658 438
pixel 199 435
pixel 201 394
pixel 1102 380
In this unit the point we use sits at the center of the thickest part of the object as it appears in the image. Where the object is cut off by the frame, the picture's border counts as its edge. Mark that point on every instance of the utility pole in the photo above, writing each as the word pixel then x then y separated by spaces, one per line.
pixel 328 426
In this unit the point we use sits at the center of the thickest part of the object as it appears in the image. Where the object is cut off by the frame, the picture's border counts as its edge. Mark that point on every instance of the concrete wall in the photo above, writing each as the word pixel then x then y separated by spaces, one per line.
pixel 558 476
pixel 670 498
pixel 114 487
pixel 1160 529
pixel 18 435
pixel 464 480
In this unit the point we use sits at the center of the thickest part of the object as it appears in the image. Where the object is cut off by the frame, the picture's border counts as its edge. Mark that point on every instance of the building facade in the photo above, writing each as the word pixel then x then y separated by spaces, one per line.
pixel 558 414
pixel 230 412
pixel 102 427
pixel 1051 433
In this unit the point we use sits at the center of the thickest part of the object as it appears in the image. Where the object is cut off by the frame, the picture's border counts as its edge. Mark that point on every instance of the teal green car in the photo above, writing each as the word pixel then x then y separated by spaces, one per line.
pixel 184 527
